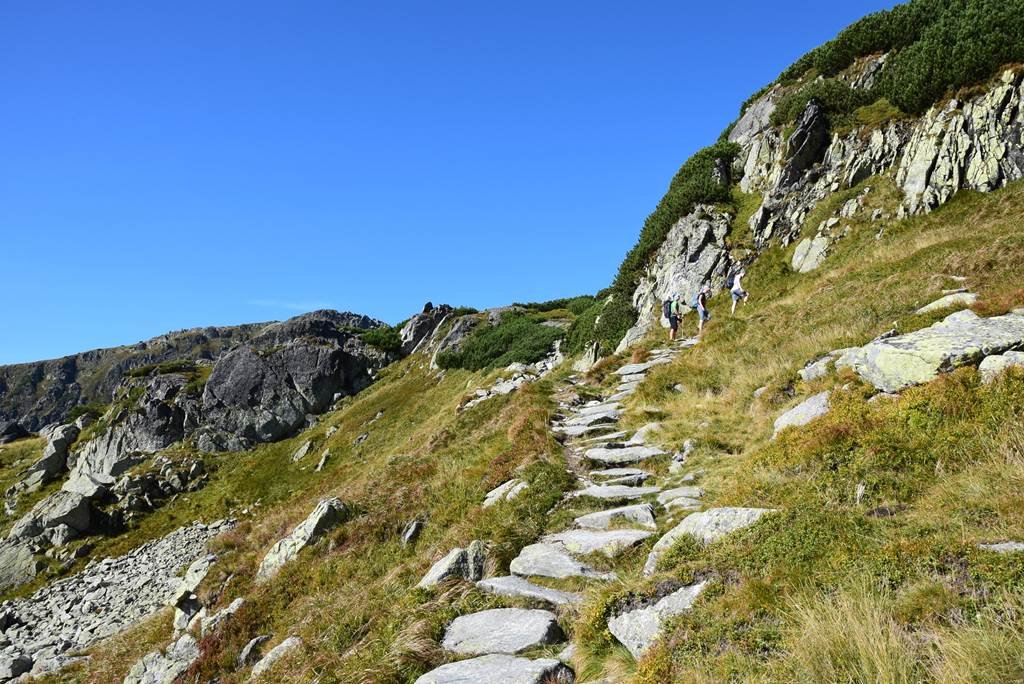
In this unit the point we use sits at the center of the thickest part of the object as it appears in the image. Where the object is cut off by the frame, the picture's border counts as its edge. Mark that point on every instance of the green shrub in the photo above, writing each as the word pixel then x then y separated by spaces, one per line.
pixel 463 311
pixel 384 338
pixel 177 366
pixel 94 410
pixel 834 96
pixel 517 338
pixel 605 321
pixel 575 305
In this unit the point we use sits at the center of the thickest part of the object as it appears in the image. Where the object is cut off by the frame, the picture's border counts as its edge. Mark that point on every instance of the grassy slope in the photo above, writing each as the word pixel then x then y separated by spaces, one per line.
pixel 829 589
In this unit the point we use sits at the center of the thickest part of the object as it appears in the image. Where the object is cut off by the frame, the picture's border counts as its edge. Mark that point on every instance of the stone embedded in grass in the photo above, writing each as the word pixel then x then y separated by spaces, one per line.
pixel 323 460
pixel 250 653
pixel 301 452
pixel 639 514
pixel 500 668
pixel 688 492
pixel 958 299
pixel 590 419
pixel 157 667
pixel 960 339
pixel 706 527
pixel 803 413
pixel 815 369
pixel 633 377
pixel 605 438
pixel 467 564
pixel 635 368
pixel 608 543
pixel 624 394
pixel 548 560
pixel 622 455
pixel 275 654
pixel 327 514
pixel 601 476
pixel 810 254
pixel 1004 547
pixel 683 503
pixel 991 366
pixel 507 491
pixel 616 492
pixel 501 630
pixel 517 587
pixel 640 436
pixel 637 630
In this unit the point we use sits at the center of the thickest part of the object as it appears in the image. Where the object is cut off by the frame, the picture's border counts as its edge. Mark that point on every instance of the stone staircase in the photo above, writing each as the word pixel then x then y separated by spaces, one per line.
pixel 610 462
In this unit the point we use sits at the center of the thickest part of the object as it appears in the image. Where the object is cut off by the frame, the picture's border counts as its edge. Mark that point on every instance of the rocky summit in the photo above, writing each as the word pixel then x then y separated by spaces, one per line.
pixel 820 481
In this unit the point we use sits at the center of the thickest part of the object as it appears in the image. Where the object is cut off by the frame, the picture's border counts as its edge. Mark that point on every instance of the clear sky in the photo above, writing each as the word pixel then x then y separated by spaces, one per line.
pixel 166 165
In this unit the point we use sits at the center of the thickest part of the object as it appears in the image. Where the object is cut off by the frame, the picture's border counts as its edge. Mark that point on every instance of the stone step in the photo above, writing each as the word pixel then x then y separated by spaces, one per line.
pixel 603 476
pixel 687 492
pixel 639 514
pixel 500 668
pixel 517 587
pixel 619 396
pixel 605 416
pixel 609 543
pixel 605 438
pixel 622 455
pixel 597 408
pixel 616 492
pixel 632 378
pixel 633 368
pixel 501 630
pixel 548 560
pixel 580 430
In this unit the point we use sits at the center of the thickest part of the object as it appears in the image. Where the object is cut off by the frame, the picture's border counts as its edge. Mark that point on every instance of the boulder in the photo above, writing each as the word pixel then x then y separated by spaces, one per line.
pixel 961 339
pixel 250 653
pixel 549 560
pixel 467 564
pixel 506 491
pixel 328 513
pixel 501 630
pixel 54 458
pixel 992 366
pixel 165 667
pixel 706 527
pixel 638 629
pixel 590 356
pixel 301 452
pixel 275 654
pixel 814 370
pixel 517 587
pixel 608 543
pixel 803 413
pixel 418 329
pixel 500 668
pixel 639 514
pixel 60 508
pixel 452 340
pixel 12 430
pixel 14 665
pixel 957 299
pixel 688 492
pixel 810 254
pixel 1004 547
pixel 17 565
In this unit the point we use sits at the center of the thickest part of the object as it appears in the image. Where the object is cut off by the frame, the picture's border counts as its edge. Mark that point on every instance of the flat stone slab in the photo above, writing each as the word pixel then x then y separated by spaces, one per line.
pixel 706 527
pixel 598 408
pixel 624 394
pixel 1004 547
pixel 688 492
pixel 637 630
pixel 613 492
pixel 604 416
pixel 634 368
pixel 618 434
pixel 958 299
pixel 638 514
pixel 608 543
pixel 622 455
pixel 803 413
pixel 615 473
pixel 517 587
pixel 683 503
pixel 548 560
pixel 497 668
pixel 580 430
pixel 501 630
pixel 633 377
pixel 960 339
pixel 507 491
pixel 641 436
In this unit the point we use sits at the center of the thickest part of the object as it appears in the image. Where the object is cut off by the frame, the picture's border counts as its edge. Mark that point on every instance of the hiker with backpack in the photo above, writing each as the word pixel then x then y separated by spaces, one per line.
pixel 700 303
pixel 672 310
pixel 736 288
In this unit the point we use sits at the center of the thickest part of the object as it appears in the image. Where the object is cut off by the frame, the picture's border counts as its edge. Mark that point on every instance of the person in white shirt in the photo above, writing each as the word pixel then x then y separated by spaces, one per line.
pixel 737 290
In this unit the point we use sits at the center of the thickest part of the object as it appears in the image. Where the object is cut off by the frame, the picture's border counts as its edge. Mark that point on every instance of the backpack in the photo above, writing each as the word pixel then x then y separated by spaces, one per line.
pixel 693 304
pixel 731 282
pixel 666 308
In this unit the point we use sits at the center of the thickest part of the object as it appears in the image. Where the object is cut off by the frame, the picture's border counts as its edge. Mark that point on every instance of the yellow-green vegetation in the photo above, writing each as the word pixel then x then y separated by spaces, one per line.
pixel 888 585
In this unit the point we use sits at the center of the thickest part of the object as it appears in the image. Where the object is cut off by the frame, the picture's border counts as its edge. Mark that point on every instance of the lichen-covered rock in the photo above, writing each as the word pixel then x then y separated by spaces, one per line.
pixel 501 630
pixel 327 514
pixel 962 338
pixel 497 668
pixel 706 527
pixel 803 413
pixel 638 629
pixel 467 564
pixel 810 254
pixel 165 667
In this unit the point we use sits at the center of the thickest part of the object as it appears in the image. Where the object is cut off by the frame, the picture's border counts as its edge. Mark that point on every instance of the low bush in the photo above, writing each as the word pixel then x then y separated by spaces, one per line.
pixel 385 338
pixel 517 338
pixel 834 96
pixel 177 366
pixel 574 305
pixel 605 322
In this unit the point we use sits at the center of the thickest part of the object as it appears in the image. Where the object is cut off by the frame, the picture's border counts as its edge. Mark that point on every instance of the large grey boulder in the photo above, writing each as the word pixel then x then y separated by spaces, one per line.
pixel 17 565
pixel 501 630
pixel 165 667
pixel 549 560
pixel 328 514
pixel 452 340
pixel 275 654
pixel 60 508
pixel 807 143
pixel 756 118
pixel 810 253
pixel 638 514
pixel 687 492
pixel 962 338
pixel 467 564
pixel 517 587
pixel 608 543
pixel 13 665
pixel 54 458
pixel 503 669
pixel 803 413
pixel 992 366
pixel 638 629
pixel 706 527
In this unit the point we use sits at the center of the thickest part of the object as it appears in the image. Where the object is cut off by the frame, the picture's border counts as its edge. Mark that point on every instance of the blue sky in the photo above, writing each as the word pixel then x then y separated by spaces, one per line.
pixel 170 165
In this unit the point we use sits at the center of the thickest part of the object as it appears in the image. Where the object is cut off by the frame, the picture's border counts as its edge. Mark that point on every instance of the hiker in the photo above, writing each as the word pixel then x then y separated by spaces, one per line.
pixel 736 288
pixel 672 310
pixel 700 303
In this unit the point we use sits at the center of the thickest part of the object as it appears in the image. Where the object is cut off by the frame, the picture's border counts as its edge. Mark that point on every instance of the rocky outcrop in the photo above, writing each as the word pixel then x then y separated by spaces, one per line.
pixel 11 430
pixel 164 667
pixel 418 330
pixel 452 339
pixel 806 145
